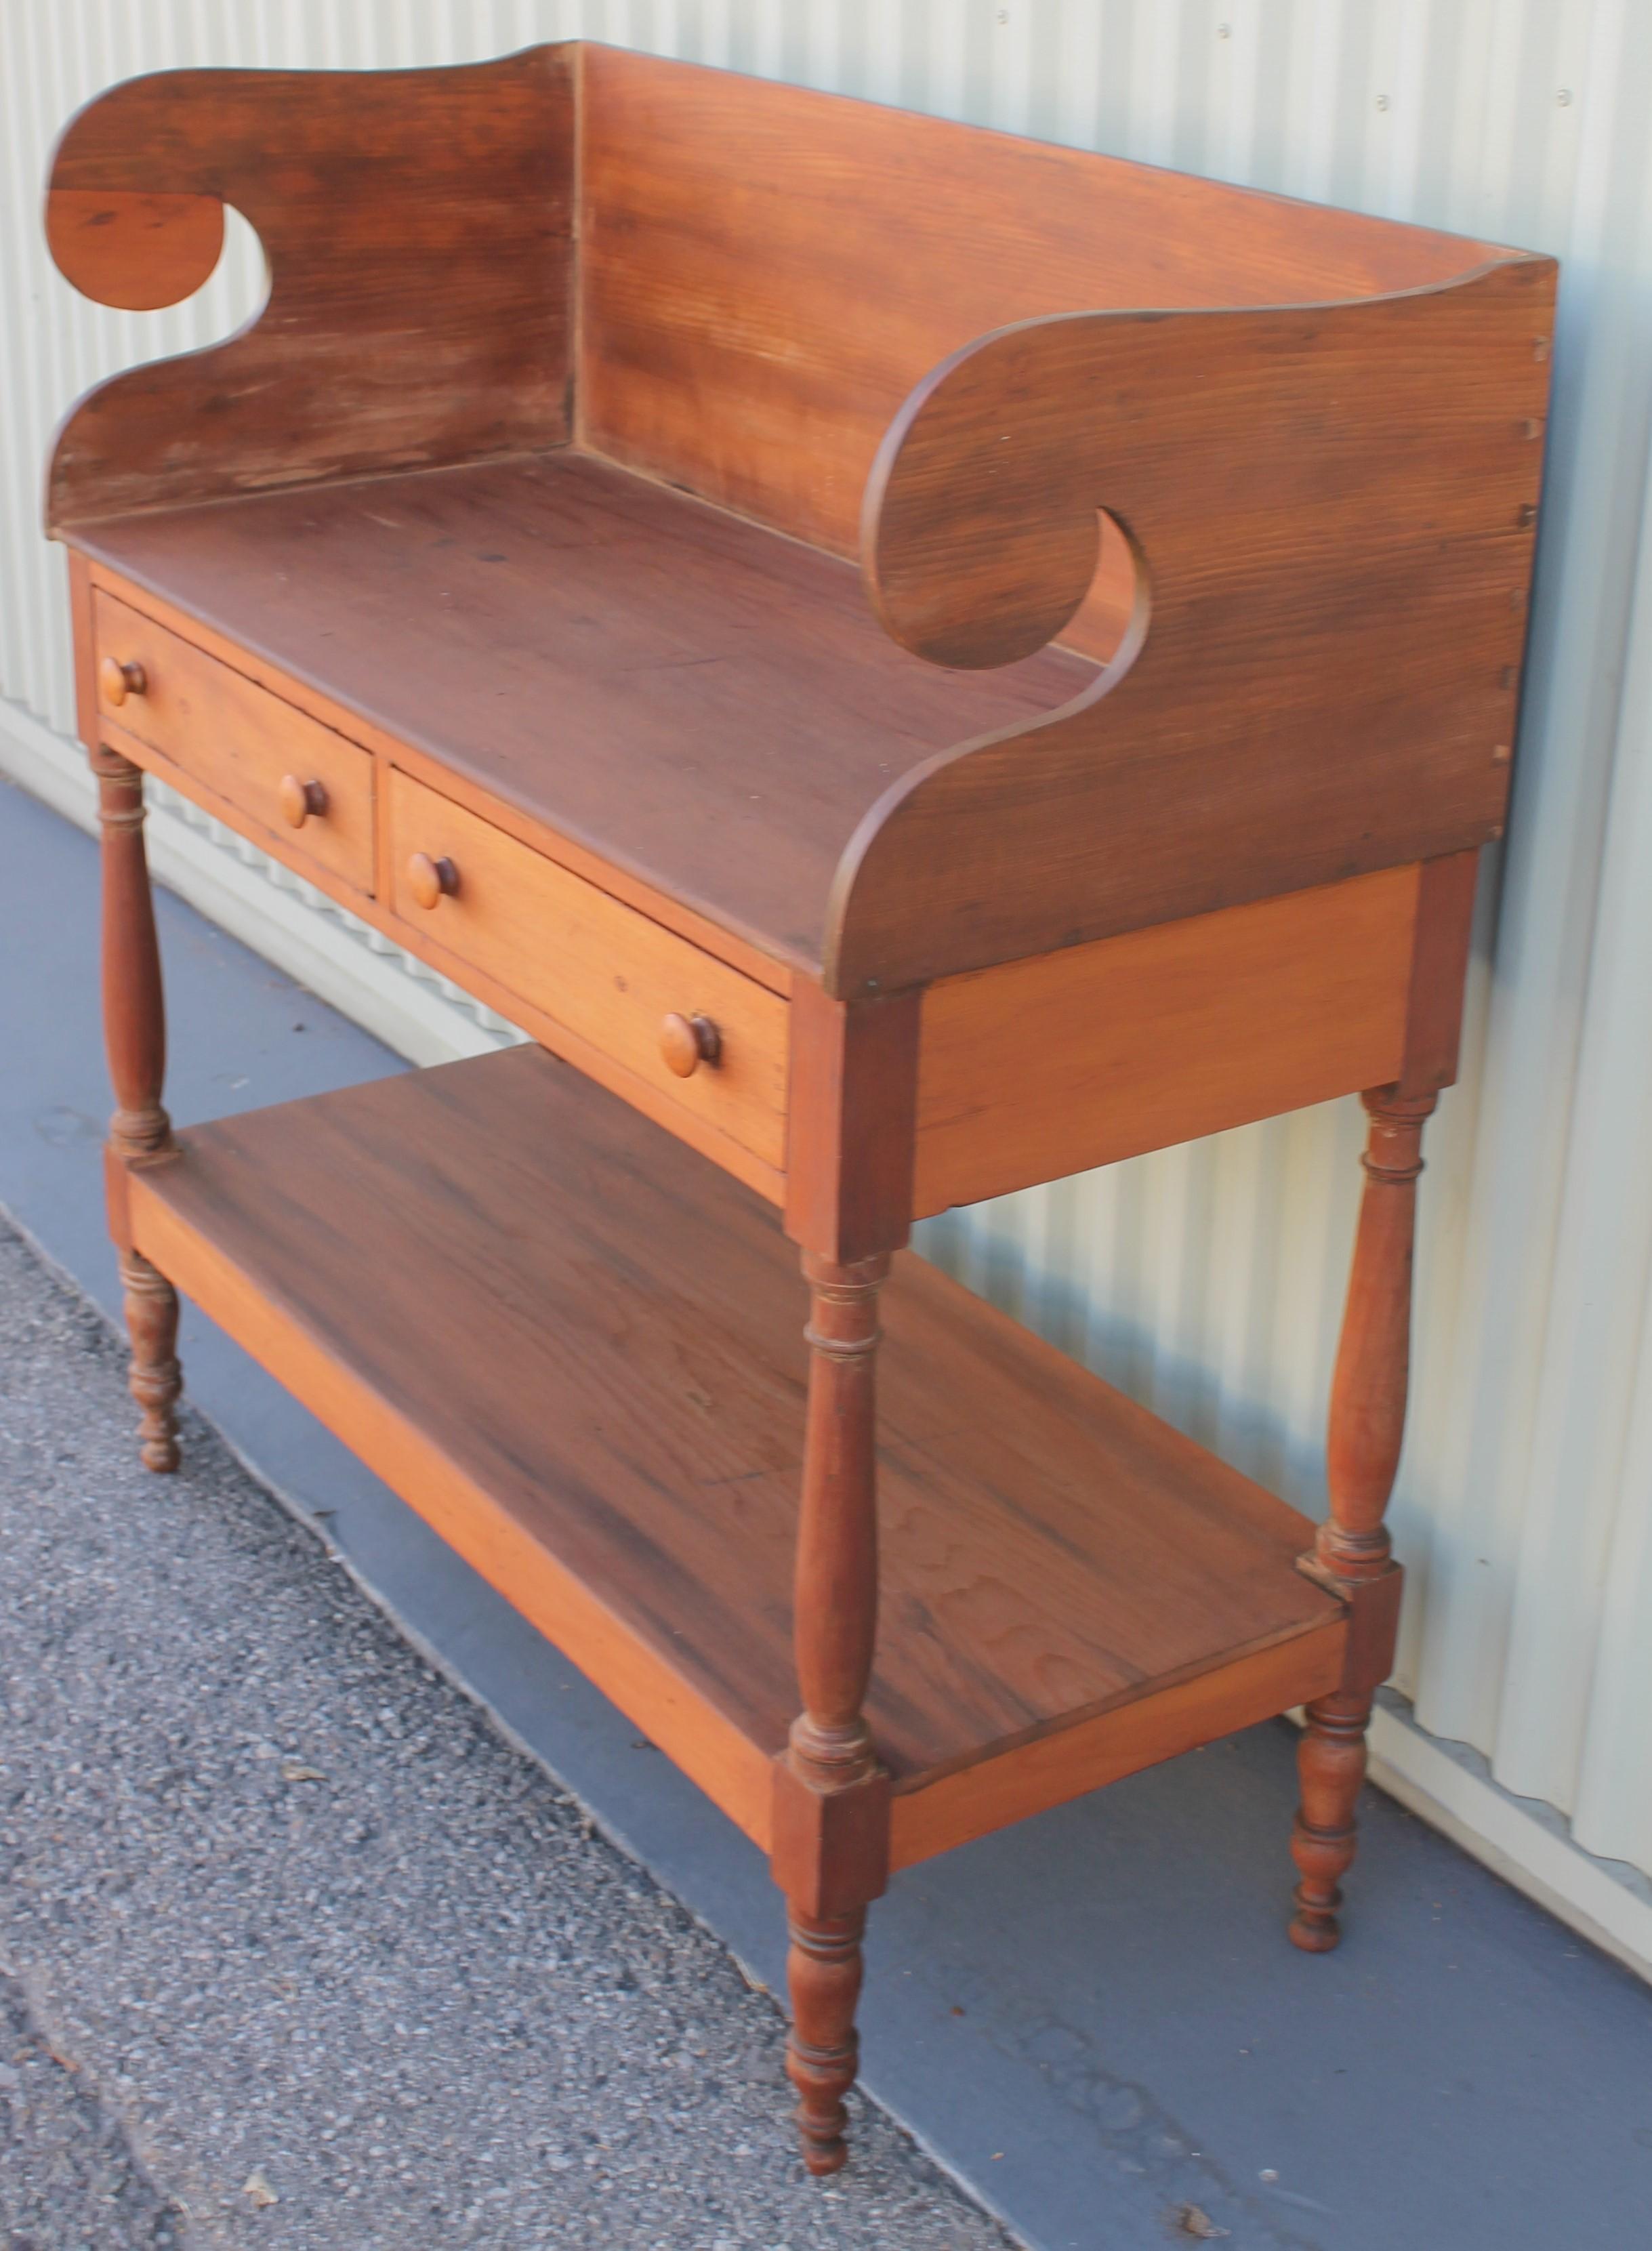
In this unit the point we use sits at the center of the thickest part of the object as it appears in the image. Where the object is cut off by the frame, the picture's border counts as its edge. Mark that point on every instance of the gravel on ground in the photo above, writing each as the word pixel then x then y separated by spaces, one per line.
pixel 296 1951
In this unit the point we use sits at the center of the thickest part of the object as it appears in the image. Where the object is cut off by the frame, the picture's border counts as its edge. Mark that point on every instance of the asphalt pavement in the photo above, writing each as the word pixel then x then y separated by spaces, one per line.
pixel 296 1949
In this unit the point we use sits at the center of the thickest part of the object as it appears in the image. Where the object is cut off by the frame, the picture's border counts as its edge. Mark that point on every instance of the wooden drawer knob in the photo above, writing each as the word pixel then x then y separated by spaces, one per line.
pixel 299 799
pixel 427 879
pixel 117 681
pixel 686 1042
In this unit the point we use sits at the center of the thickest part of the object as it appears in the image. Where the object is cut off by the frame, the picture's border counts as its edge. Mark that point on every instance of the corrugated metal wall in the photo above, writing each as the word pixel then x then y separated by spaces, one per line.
pixel 1208 1280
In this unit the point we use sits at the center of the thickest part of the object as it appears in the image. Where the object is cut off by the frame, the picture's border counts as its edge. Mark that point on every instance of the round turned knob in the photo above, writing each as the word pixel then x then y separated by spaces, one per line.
pixel 118 681
pixel 686 1042
pixel 427 879
pixel 299 799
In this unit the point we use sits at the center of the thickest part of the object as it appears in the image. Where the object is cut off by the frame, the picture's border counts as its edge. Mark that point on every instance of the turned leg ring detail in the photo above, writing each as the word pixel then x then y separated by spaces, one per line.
pixel 155 1379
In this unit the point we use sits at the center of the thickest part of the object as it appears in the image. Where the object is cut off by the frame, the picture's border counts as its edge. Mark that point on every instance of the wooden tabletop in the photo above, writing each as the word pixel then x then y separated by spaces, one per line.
pixel 708 704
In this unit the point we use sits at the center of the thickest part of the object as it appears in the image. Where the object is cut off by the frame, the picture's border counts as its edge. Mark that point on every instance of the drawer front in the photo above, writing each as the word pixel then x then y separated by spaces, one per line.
pixel 306 789
pixel 599 969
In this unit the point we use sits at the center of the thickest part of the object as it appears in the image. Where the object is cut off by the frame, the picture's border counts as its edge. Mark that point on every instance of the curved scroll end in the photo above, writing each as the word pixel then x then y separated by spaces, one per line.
pixel 978 545
pixel 130 219
pixel 137 252
pixel 417 231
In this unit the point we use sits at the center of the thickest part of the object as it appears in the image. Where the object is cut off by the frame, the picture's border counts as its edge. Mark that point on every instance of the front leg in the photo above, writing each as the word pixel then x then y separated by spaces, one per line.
pixel 831 1803
pixel 823 2053
pixel 140 1131
pixel 155 1380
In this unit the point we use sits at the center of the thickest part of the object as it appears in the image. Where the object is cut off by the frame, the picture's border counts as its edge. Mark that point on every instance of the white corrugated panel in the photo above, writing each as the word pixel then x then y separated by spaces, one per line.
pixel 1208 1280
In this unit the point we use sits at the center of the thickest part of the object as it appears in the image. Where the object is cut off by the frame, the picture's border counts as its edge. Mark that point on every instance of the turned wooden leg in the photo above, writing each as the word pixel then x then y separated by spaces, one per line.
pixel 831 1843
pixel 823 1976
pixel 156 1378
pixel 1351 1548
pixel 133 1008
pixel 140 1131
pixel 1330 1765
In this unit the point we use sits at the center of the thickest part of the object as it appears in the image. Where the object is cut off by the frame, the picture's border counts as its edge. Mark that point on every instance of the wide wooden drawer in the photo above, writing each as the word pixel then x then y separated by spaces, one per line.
pixel 235 747
pixel 598 969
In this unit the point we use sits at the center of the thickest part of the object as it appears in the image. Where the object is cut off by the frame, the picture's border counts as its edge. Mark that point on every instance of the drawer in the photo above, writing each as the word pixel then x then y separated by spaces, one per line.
pixel 306 789
pixel 599 969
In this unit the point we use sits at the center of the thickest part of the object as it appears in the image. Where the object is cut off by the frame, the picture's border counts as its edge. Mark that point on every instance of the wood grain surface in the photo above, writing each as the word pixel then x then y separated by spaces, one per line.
pixel 765 271
pixel 1352 1548
pixel 637 1674
pixel 850 1123
pixel 1046 1067
pixel 136 251
pixel 495 575
pixel 511 1273
pixel 932 1814
pixel 590 963
pixel 1306 477
pixel 1334 509
pixel 703 706
pixel 417 225
pixel 129 967
pixel 239 744
pixel 87 577
pixel 1439 972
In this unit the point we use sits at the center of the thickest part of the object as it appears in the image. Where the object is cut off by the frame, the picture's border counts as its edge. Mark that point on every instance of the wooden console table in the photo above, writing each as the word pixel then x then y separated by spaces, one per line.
pixel 494 579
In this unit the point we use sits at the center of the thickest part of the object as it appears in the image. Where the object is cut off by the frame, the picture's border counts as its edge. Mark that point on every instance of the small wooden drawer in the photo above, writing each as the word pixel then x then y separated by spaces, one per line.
pixel 235 747
pixel 623 986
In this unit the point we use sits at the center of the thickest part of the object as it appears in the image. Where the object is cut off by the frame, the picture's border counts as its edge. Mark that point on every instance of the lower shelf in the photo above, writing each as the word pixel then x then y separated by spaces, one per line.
pixel 575 1348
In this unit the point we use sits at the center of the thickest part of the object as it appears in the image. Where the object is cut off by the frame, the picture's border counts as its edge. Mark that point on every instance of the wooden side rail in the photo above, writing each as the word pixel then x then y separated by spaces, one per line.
pixel 417 226
pixel 1332 512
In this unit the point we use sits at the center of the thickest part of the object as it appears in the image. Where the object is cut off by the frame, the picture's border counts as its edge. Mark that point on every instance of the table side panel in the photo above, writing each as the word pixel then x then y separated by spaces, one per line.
pixel 417 226
pixel 1335 511
pixel 1048 1066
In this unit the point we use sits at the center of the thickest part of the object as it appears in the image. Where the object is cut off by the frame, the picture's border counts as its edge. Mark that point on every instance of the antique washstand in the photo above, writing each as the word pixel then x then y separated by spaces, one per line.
pixel 495 578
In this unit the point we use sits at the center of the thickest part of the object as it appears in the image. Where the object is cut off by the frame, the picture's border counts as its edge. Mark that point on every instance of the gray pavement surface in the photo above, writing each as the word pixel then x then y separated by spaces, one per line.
pixel 296 1951
pixel 68 2174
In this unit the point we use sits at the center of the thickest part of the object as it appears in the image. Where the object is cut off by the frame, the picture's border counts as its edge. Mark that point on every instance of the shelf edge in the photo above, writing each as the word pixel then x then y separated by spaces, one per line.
pixel 733 1771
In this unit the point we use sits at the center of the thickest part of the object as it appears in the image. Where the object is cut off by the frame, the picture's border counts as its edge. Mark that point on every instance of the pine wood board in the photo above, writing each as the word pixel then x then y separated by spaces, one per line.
pixel 701 704
pixel 577 1345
